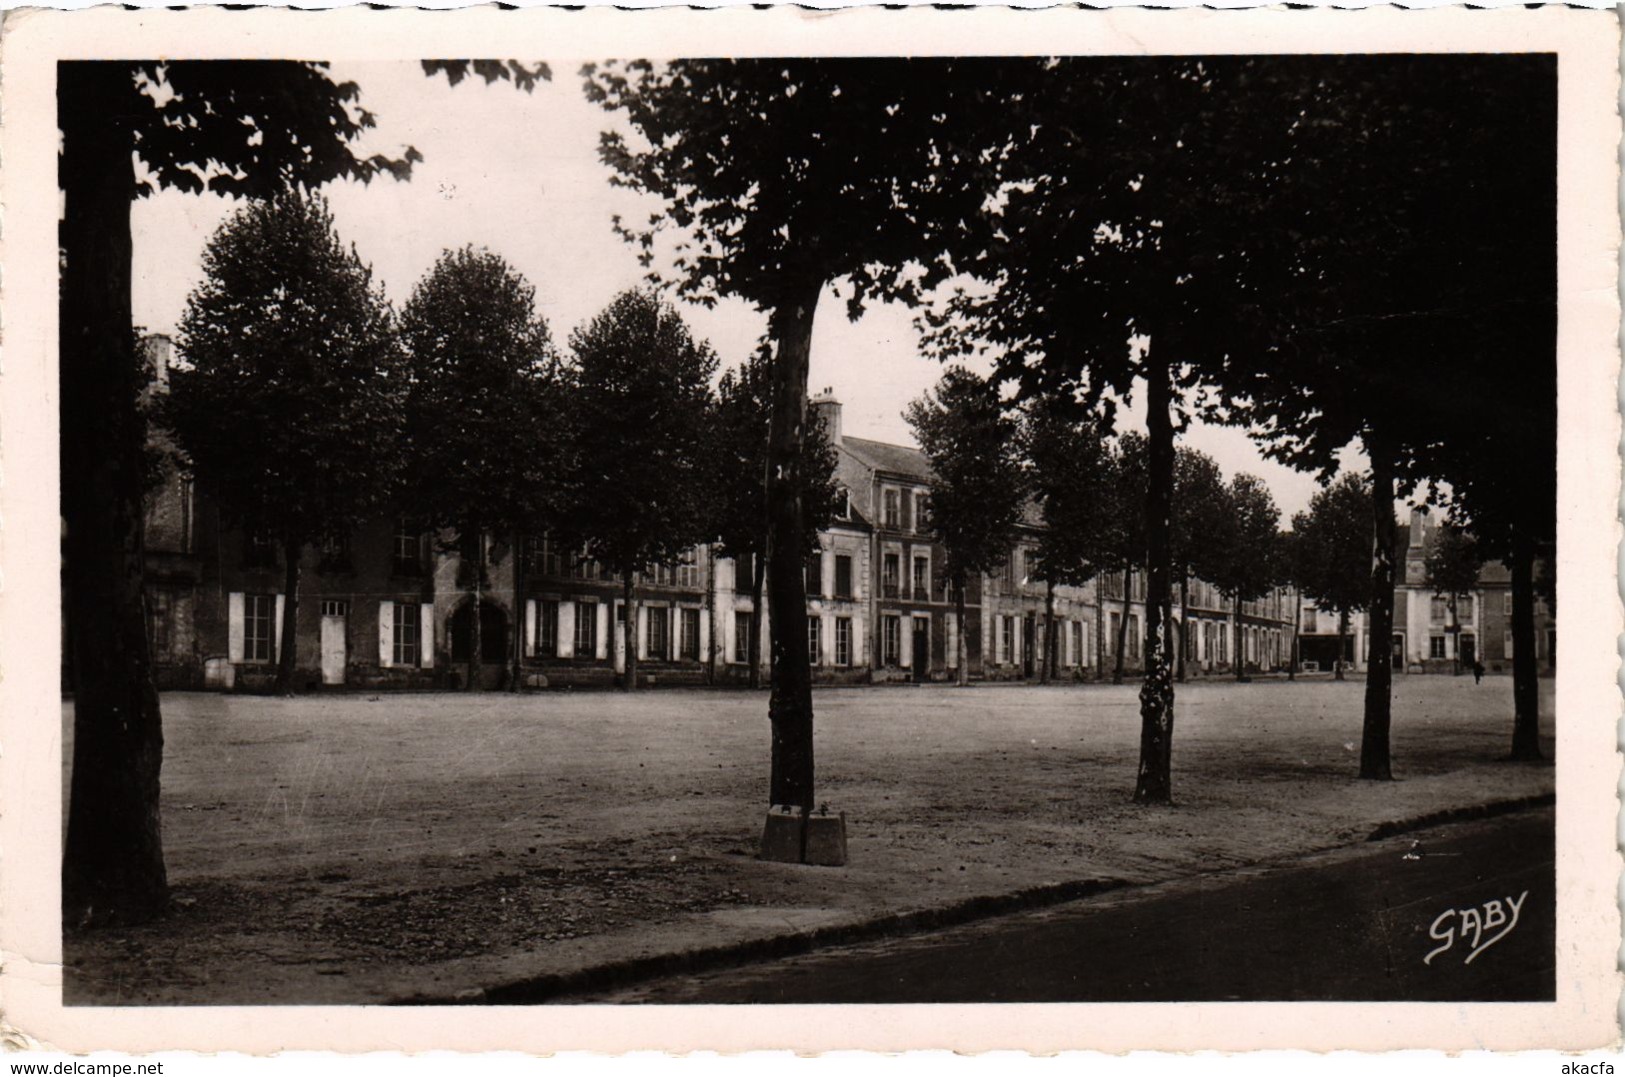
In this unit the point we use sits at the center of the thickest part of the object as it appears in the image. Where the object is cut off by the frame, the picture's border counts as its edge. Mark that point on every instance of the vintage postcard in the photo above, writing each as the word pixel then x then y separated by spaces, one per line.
pixel 670 530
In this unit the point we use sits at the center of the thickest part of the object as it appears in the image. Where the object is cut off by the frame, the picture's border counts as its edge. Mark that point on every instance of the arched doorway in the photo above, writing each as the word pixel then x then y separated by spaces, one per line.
pixel 493 640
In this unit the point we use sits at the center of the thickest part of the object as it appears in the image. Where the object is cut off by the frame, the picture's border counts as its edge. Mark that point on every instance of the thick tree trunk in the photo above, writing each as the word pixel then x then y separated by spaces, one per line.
pixel 629 634
pixel 1239 655
pixel 476 635
pixel 1342 643
pixel 1297 621
pixel 1375 759
pixel 1184 621
pixel 1122 626
pixel 711 614
pixel 1049 633
pixel 113 863
pixel 1155 781
pixel 1525 686
pixel 960 646
pixel 516 676
pixel 790 706
pixel 1455 638
pixel 758 577
pixel 288 644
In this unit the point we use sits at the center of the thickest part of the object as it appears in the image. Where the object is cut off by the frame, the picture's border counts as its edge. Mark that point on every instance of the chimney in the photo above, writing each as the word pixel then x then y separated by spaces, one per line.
pixel 827 408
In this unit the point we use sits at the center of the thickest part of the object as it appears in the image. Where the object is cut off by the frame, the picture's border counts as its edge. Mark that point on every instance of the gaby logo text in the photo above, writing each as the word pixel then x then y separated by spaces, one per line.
pixel 1476 923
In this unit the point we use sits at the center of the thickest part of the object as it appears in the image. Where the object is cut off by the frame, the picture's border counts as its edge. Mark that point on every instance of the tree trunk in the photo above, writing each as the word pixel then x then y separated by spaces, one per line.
pixel 1455 638
pixel 1122 626
pixel 1342 644
pixel 1049 633
pixel 790 706
pixel 1525 686
pixel 1297 622
pixel 476 635
pixel 758 575
pixel 1239 655
pixel 711 614
pixel 1375 758
pixel 960 647
pixel 113 863
pixel 516 676
pixel 1155 782
pixel 288 644
pixel 629 634
pixel 1184 621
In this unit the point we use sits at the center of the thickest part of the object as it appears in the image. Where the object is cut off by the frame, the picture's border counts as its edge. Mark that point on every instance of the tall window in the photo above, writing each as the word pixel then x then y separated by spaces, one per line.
pixel 1007 639
pixel 657 633
pixel 1133 635
pixel 406 644
pixel 1506 604
pixel 891 639
pixel 547 632
pixel 158 609
pixel 1435 646
pixel 815 639
pixel 258 620
pixel 1110 642
pixel 890 567
pixel 892 515
pixel 843 641
pixel 1464 609
pixel 688 569
pixel 843 576
pixel 843 510
pixel 922 578
pixel 744 572
pixel 1310 622
pixel 408 555
pixel 922 511
pixel 586 629
pixel 814 571
pixel 742 637
pixel 1436 611
pixel 690 640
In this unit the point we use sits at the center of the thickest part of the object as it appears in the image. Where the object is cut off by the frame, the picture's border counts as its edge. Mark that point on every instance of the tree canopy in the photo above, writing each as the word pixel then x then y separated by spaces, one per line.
pixel 1331 547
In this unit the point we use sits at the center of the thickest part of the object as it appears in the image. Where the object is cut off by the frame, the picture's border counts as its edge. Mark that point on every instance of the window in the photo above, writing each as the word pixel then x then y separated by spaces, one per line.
pixel 1110 641
pixel 922 578
pixel 890 567
pixel 1506 605
pixel 891 639
pixel 844 500
pixel 815 632
pixel 843 641
pixel 1310 622
pixel 843 576
pixel 814 572
pixel 1464 609
pixel 335 608
pixel 333 553
pixel 405 651
pixel 742 637
pixel 657 633
pixel 892 513
pixel 586 630
pixel 689 641
pixel 547 634
pixel 1078 654
pixel 688 569
pixel 922 511
pixel 1436 611
pixel 1133 635
pixel 408 550
pixel 1007 639
pixel 744 573
pixel 158 609
pixel 258 618
pixel 1435 646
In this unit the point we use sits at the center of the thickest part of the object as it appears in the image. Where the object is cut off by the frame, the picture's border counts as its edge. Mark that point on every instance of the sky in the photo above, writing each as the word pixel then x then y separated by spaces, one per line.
pixel 519 174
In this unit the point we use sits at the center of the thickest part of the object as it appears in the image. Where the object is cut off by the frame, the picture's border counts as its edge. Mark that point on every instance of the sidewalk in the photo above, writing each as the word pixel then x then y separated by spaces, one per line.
pixel 491 848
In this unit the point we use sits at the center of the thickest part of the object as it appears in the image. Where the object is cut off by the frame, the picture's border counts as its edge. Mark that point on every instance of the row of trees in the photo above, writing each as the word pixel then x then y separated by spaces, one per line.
pixel 305 404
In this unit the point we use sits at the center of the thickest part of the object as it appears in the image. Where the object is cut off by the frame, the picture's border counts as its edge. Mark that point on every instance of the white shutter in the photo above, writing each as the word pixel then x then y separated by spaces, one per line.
pixel 276 631
pixel 705 635
pixel 951 621
pixel 426 635
pixel 564 628
pixel 234 626
pixel 640 633
pixel 386 633
pixel 604 626
pixel 530 627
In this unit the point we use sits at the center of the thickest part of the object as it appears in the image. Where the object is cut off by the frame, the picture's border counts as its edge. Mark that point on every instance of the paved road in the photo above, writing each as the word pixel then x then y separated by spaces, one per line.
pixel 1353 924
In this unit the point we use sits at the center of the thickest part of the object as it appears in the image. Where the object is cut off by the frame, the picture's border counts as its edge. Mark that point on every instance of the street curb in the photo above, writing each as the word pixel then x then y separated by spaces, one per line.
pixel 617 974
pixel 1461 815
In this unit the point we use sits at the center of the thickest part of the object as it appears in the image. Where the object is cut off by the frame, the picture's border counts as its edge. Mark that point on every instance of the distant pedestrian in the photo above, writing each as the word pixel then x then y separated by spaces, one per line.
pixel 1478 671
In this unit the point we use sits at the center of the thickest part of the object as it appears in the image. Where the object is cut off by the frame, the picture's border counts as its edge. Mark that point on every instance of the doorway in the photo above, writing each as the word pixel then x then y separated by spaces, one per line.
pixel 1469 651
pixel 922 650
pixel 334 647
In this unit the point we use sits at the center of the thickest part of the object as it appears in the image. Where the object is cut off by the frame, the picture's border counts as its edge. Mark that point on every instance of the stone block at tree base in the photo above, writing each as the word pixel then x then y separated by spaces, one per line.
pixel 781 836
pixel 826 840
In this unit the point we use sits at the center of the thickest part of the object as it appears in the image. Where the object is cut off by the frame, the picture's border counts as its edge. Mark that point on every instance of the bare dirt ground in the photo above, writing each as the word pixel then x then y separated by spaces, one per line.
pixel 334 849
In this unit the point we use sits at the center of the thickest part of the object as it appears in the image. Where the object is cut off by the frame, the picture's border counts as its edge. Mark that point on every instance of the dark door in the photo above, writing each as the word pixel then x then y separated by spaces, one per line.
pixel 1028 645
pixel 922 650
pixel 1469 652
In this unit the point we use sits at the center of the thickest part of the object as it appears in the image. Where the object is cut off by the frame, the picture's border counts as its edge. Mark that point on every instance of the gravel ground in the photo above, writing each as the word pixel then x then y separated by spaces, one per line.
pixel 352 848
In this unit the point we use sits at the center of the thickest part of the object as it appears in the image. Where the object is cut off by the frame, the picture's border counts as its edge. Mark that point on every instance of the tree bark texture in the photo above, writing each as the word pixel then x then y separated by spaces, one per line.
pixel 1297 620
pixel 1155 782
pixel 516 675
pixel 959 637
pixel 1342 644
pixel 1239 655
pixel 476 635
pixel 1525 687
pixel 629 634
pixel 711 613
pixel 1049 633
pixel 113 864
pixel 790 705
pixel 758 579
pixel 1122 626
pixel 1184 621
pixel 1375 758
pixel 287 655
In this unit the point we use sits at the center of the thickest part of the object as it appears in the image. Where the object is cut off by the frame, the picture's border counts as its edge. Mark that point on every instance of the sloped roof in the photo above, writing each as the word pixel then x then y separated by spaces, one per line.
pixel 883 456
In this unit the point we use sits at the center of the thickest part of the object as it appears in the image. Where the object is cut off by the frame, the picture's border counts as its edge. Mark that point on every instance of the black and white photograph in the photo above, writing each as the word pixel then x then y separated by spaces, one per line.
pixel 640 523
